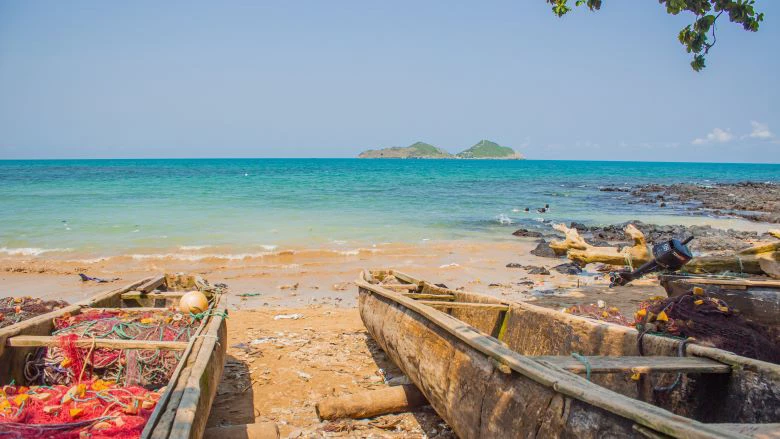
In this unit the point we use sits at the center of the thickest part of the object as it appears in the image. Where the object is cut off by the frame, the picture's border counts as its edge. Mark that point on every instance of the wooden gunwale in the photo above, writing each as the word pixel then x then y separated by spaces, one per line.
pixel 561 381
pixel 187 397
pixel 731 282
pixel 655 364
pixel 14 338
pixel 22 341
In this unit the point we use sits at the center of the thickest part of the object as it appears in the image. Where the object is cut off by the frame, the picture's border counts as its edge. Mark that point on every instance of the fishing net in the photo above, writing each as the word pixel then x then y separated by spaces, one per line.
pixel 709 321
pixel 67 363
pixel 95 409
pixel 15 309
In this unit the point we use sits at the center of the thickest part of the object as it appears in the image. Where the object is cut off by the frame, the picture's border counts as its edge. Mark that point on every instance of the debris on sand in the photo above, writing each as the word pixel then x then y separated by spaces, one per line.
pixel 295 316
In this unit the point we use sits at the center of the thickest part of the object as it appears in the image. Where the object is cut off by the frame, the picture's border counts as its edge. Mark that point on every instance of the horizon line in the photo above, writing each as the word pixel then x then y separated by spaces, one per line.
pixel 377 159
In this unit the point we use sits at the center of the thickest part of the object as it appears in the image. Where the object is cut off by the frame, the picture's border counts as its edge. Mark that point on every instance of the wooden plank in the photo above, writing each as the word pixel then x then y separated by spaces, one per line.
pixel 21 341
pixel 481 306
pixel 159 423
pixel 405 277
pixel 201 386
pixel 731 282
pixel 127 310
pixel 559 380
pixel 757 431
pixel 152 283
pixel 428 296
pixel 161 295
pixel 636 364
pixel 400 286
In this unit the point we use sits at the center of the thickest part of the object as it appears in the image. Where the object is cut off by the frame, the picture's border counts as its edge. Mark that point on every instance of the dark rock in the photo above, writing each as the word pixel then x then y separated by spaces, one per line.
pixel 532 269
pixel 614 189
pixel 527 233
pixel 568 268
pixel 755 201
pixel 543 250
pixel 537 270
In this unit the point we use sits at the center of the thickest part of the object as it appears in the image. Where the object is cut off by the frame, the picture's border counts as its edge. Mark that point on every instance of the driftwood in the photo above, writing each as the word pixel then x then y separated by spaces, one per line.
pixel 758 259
pixel 371 403
pixel 579 251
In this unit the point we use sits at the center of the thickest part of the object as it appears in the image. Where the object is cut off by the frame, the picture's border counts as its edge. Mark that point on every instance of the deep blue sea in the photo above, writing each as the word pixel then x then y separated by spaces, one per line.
pixel 110 207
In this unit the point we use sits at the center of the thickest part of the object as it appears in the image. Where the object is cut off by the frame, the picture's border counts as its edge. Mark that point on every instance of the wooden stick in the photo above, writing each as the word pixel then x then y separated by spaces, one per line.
pixel 126 310
pixel 371 403
pixel 21 341
pixel 485 306
pixel 637 364
pixel 152 283
pixel 429 296
pixel 161 295
pixel 401 286
pixel 259 430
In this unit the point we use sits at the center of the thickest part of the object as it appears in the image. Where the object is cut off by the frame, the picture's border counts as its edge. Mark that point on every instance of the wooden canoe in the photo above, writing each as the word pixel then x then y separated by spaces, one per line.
pixel 183 408
pixel 757 300
pixel 493 368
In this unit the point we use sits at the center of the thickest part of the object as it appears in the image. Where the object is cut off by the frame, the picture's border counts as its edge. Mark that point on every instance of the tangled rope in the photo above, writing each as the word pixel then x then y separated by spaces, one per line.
pixel 149 368
pixel 15 309
pixel 709 321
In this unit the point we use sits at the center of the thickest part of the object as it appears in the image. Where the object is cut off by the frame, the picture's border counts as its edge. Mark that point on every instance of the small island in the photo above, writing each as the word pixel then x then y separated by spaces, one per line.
pixel 484 149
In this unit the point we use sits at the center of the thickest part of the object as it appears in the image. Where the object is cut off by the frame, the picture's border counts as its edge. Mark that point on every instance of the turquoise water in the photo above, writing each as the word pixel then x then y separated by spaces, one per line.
pixel 109 207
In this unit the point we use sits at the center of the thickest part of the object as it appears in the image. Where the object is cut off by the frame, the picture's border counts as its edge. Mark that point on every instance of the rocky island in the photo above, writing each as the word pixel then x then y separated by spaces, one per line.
pixel 418 150
pixel 484 149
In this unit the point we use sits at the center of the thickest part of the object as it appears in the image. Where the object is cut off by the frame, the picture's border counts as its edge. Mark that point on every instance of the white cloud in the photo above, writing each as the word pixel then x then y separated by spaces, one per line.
pixel 760 131
pixel 716 136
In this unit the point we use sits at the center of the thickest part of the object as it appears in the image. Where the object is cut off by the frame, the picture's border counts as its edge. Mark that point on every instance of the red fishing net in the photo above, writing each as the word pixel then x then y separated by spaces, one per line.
pixel 65 364
pixel 94 409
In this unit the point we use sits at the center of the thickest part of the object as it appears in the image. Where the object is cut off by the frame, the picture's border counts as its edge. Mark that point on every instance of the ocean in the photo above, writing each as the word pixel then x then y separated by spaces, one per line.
pixel 241 207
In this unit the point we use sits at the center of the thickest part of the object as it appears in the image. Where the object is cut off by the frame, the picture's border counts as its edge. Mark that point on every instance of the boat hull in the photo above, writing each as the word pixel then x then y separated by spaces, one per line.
pixel 486 387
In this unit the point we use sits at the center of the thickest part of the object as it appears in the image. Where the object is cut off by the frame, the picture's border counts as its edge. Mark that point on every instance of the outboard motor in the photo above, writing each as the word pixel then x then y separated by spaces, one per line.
pixel 669 256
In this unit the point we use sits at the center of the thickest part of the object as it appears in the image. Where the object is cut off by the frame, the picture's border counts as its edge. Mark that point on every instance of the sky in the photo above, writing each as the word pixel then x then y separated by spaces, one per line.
pixel 98 79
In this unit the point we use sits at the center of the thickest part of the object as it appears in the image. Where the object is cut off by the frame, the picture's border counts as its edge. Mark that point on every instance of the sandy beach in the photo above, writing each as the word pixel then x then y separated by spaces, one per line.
pixel 278 369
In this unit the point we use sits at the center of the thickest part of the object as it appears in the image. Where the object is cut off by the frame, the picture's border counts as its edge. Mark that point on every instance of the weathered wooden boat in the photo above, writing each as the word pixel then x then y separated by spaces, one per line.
pixel 183 408
pixel 757 300
pixel 493 368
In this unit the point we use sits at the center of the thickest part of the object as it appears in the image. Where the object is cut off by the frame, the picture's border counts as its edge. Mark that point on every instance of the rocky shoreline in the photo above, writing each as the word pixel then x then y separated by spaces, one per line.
pixel 754 201
pixel 707 238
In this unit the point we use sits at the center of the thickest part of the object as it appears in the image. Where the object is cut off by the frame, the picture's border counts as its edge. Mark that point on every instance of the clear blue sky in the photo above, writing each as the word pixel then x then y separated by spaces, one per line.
pixel 331 78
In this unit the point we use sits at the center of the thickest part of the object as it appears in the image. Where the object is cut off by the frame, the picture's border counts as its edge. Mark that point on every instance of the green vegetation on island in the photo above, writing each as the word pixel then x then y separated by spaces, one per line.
pixel 419 150
pixel 485 149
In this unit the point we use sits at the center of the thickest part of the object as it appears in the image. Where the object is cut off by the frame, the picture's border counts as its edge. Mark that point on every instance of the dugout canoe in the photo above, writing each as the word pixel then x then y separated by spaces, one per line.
pixel 757 299
pixel 183 408
pixel 494 368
